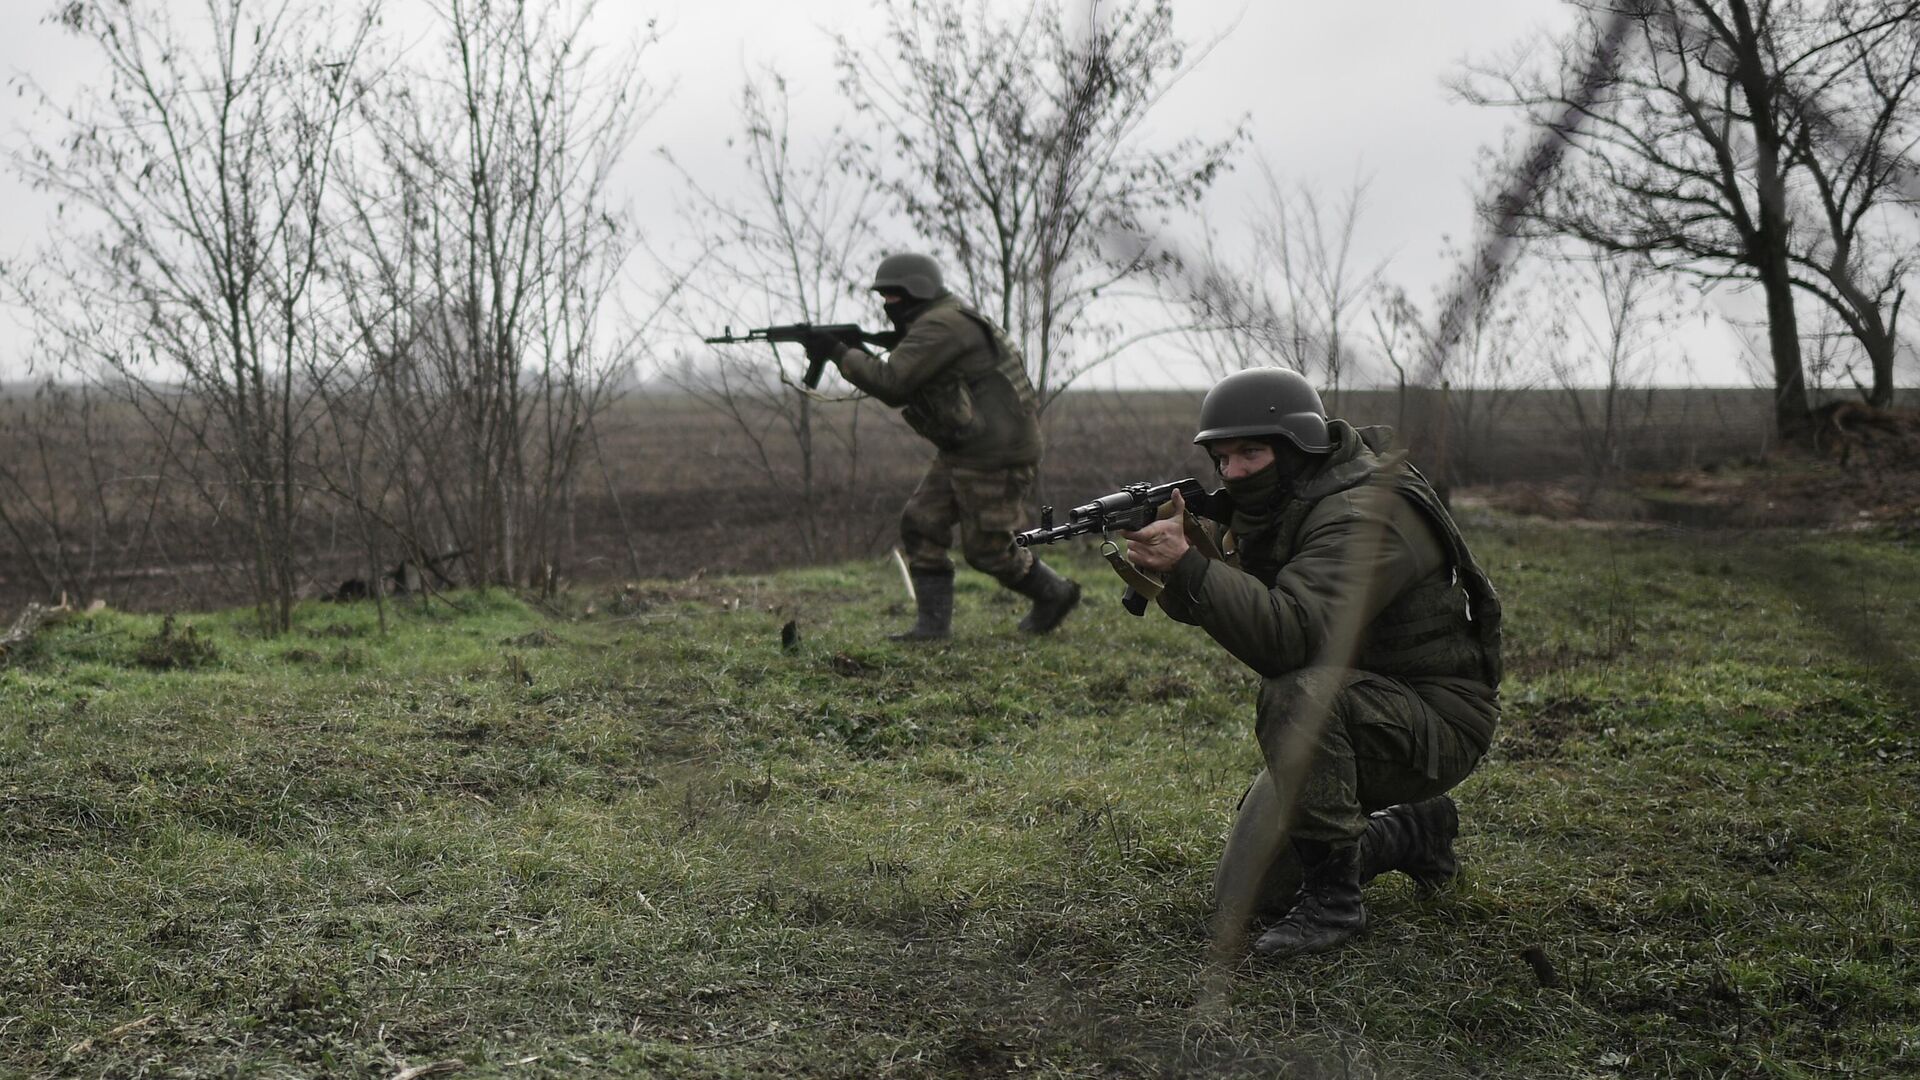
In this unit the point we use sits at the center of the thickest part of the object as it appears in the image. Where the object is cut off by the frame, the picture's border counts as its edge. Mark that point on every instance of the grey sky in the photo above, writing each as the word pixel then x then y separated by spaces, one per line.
pixel 1331 91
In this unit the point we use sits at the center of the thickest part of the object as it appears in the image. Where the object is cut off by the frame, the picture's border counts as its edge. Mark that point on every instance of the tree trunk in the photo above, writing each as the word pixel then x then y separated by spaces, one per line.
pixel 1880 353
pixel 1791 417
pixel 1875 334
pixel 1768 246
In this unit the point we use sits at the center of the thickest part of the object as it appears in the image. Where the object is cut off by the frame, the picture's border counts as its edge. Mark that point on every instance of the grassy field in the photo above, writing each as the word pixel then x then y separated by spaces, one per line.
pixel 634 836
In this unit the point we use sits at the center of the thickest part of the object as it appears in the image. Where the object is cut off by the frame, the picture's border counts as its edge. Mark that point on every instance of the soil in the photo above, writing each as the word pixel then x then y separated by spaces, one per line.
pixel 1863 473
pixel 687 508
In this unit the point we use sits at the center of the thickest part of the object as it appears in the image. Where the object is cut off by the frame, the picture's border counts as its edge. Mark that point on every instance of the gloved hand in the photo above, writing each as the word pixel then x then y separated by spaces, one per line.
pixel 821 346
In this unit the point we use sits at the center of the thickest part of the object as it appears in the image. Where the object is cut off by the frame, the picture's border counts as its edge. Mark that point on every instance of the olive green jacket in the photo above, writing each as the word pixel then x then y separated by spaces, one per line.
pixel 1364 569
pixel 960 383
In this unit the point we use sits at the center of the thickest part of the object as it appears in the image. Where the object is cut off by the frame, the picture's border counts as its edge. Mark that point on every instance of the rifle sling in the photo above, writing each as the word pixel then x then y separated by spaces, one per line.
pixel 1139 580
pixel 1146 584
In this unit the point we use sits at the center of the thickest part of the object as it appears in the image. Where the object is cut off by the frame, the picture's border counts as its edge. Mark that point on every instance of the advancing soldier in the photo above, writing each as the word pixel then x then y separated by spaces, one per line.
pixel 962 385
pixel 1351 592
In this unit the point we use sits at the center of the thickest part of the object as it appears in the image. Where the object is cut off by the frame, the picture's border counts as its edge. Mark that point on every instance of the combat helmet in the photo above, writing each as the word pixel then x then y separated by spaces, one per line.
pixel 1265 402
pixel 917 275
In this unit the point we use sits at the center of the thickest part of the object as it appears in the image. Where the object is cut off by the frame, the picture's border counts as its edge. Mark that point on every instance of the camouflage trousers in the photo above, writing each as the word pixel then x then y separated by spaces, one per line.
pixel 987 505
pixel 1347 743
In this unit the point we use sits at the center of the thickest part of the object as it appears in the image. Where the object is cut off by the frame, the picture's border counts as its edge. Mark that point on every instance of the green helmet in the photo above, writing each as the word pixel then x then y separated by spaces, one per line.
pixel 918 275
pixel 1263 402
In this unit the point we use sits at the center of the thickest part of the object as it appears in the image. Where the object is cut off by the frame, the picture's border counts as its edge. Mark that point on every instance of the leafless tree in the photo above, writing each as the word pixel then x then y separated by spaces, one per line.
pixel 1311 241
pixel 190 277
pixel 1834 355
pixel 1228 318
pixel 1856 140
pixel 795 249
pixel 1697 155
pixel 1460 371
pixel 1401 337
pixel 1615 310
pixel 1293 300
pixel 1686 152
pixel 1015 148
pixel 484 247
pixel 1454 399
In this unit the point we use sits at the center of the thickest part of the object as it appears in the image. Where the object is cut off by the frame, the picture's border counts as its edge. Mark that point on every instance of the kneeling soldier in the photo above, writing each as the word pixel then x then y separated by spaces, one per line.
pixel 1349 589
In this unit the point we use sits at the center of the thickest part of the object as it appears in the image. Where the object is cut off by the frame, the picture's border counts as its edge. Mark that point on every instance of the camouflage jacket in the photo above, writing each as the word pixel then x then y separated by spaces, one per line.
pixel 1363 568
pixel 960 383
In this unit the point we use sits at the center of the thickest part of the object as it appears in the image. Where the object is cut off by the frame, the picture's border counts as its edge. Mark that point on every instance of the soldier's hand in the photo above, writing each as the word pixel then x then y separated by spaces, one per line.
pixel 1158 546
pixel 821 346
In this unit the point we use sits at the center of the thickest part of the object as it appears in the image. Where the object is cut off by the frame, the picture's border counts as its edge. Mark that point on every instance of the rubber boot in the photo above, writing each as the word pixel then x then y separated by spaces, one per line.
pixel 933 595
pixel 1053 597
pixel 1328 914
pixel 1415 839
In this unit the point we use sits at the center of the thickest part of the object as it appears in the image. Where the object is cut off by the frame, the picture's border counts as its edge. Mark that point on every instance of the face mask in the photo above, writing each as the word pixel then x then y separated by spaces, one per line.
pixel 1255 489
pixel 905 311
pixel 1258 498
pixel 1256 501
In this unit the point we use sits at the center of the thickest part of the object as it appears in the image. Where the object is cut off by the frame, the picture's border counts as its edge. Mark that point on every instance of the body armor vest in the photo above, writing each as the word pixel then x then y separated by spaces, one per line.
pixel 986 396
pixel 1445 626
pixel 1005 384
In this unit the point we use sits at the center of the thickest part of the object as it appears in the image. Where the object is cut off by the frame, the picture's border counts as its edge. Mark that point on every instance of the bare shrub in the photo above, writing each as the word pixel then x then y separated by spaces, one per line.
pixel 483 247
pixel 796 249
pixel 1604 369
pixel 1015 147
pixel 189 282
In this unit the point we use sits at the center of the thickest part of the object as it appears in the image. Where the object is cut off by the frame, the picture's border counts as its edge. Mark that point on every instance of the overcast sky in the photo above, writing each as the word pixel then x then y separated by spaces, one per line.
pixel 1331 91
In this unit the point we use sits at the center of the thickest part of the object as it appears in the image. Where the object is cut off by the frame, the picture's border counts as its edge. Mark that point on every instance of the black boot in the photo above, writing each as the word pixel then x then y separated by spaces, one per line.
pixel 1328 913
pixel 1415 839
pixel 1052 595
pixel 933 595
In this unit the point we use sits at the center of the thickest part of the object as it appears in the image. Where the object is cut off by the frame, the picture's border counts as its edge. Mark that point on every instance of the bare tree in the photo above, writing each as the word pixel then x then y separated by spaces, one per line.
pixel 795 249
pixel 1615 308
pixel 80 495
pixel 1015 148
pixel 1401 337
pixel 1228 318
pixel 36 497
pixel 1856 141
pixel 1453 399
pixel 484 247
pixel 1685 153
pixel 1312 243
pixel 1834 354
pixel 1293 301
pixel 201 179
pixel 1458 373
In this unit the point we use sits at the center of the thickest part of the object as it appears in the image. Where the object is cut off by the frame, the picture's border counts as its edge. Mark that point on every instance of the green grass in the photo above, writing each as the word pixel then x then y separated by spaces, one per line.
pixel 645 840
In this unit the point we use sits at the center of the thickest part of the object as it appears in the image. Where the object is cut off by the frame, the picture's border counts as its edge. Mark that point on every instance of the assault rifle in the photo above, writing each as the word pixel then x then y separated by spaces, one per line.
pixel 847 333
pixel 1132 507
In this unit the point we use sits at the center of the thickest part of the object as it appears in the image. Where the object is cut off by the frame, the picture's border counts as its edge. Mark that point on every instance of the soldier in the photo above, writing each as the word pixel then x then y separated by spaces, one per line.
pixel 1349 589
pixel 962 385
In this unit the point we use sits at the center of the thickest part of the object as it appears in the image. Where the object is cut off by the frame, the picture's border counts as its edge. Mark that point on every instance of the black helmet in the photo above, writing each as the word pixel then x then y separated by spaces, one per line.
pixel 1264 402
pixel 917 275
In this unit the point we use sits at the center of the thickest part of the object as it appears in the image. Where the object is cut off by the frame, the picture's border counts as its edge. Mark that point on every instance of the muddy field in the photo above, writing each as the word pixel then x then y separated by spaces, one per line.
pixel 678 489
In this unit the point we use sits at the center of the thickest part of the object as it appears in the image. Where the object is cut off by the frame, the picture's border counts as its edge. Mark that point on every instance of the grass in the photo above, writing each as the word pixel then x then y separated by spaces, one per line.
pixel 634 836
